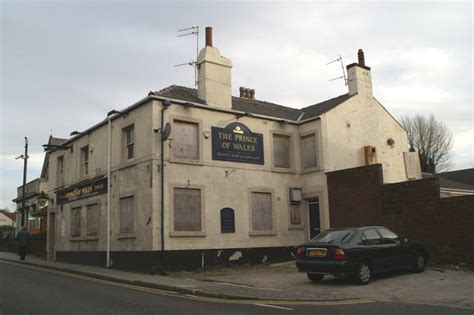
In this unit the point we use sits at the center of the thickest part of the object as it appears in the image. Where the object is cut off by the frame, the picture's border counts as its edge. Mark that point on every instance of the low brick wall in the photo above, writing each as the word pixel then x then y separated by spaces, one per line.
pixel 36 247
pixel 413 209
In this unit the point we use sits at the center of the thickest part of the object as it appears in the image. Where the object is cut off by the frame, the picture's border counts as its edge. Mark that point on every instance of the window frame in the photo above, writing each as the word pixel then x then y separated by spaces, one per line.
pixel 71 235
pixel 84 163
pixel 60 171
pixel 318 151
pixel 132 234
pixel 273 231
pixel 291 154
pixel 172 232
pixel 126 144
pixel 87 219
pixel 188 120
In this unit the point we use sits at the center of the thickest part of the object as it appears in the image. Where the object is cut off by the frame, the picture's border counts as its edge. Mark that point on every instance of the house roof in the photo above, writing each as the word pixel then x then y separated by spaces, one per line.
pixel 10 215
pixel 465 176
pixel 448 183
pixel 256 106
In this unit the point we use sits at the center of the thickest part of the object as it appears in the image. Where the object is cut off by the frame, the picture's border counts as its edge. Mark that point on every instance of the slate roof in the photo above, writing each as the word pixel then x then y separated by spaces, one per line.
pixel 10 215
pixel 448 183
pixel 465 176
pixel 256 106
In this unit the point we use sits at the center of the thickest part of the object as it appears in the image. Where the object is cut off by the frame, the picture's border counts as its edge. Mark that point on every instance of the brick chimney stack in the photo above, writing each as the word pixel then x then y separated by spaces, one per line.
pixel 214 75
pixel 359 78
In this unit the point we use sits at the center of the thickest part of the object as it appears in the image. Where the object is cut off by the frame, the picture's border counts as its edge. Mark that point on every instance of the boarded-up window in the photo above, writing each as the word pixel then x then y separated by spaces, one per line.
pixel 127 215
pixel 262 217
pixel 60 170
pixel 308 145
pixel 92 220
pixel 187 209
pixel 185 140
pixel 76 222
pixel 281 151
pixel 295 215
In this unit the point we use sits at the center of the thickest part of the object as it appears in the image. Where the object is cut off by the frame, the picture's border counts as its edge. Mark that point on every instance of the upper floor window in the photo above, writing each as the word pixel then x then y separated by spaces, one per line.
pixel 60 170
pixel 85 160
pixel 185 140
pixel 281 151
pixel 129 137
pixel 308 151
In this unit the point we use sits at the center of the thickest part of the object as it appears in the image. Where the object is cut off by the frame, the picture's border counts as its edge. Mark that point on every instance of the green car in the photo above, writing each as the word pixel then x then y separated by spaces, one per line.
pixel 358 253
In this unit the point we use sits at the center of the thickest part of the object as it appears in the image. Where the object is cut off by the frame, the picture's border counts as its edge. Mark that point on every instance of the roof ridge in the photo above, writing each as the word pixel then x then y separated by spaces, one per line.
pixel 333 98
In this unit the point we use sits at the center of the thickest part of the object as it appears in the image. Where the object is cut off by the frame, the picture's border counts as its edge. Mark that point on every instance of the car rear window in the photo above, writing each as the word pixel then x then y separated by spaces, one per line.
pixel 334 236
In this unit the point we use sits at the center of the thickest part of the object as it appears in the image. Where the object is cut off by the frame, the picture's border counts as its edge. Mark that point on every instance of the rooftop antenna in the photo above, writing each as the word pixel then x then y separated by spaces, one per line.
pixel 193 30
pixel 343 76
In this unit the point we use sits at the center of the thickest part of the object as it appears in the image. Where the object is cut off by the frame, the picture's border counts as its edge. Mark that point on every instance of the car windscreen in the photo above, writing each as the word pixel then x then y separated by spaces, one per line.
pixel 334 236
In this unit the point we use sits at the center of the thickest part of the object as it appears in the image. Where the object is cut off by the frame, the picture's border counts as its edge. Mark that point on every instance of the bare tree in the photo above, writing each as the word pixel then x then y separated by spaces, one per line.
pixel 433 141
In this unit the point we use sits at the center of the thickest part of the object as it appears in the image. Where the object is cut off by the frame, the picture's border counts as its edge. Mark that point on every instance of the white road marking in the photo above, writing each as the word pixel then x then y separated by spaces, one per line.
pixel 274 306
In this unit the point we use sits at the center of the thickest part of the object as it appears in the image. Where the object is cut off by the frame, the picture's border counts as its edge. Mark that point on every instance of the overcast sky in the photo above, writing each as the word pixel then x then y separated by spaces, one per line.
pixel 64 65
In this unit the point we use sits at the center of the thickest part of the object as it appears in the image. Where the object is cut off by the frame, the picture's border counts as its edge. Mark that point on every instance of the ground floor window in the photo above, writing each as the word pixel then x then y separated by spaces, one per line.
pixel 262 214
pixel 295 215
pixel 76 222
pixel 187 209
pixel 127 215
pixel 92 220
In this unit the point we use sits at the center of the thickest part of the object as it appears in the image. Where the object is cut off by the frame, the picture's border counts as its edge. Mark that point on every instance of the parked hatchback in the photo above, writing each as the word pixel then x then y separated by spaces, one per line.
pixel 358 253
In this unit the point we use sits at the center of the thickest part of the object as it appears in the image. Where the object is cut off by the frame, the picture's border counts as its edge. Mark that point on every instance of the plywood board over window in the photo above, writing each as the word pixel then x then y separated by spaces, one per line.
pixel 262 216
pixel 185 140
pixel 92 220
pixel 281 151
pixel 187 209
pixel 76 222
pixel 308 151
pixel 127 215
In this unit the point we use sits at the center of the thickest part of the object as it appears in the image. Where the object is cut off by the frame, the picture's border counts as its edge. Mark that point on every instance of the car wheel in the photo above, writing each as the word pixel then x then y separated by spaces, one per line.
pixel 419 264
pixel 363 274
pixel 315 277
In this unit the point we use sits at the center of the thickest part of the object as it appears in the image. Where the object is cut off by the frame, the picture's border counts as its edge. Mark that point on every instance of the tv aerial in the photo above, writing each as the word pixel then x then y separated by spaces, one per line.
pixel 193 30
pixel 343 76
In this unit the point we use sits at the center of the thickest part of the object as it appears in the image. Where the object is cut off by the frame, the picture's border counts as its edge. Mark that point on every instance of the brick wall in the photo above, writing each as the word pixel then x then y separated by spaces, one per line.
pixel 412 209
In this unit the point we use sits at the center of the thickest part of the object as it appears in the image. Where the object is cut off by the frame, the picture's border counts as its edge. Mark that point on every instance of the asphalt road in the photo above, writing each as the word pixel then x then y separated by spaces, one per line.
pixel 27 290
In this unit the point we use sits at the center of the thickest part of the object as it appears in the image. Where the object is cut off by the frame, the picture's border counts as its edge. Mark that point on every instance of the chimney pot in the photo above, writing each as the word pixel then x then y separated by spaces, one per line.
pixel 252 94
pixel 242 91
pixel 360 55
pixel 209 36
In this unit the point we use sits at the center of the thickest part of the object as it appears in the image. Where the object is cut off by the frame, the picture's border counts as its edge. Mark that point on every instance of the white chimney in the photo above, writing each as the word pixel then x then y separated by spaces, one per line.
pixel 359 78
pixel 214 75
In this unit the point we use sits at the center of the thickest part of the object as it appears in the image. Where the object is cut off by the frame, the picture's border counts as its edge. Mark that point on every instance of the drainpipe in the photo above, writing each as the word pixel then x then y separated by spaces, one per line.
pixel 109 193
pixel 166 104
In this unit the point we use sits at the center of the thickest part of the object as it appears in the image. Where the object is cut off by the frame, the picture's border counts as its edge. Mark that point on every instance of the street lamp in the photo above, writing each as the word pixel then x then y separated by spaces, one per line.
pixel 25 163
pixel 110 115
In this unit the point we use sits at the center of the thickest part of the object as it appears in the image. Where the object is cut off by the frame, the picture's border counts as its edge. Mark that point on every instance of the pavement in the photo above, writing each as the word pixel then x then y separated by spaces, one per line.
pixel 282 282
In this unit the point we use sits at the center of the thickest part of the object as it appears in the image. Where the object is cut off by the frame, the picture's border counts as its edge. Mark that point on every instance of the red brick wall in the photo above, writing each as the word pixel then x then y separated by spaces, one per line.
pixel 413 209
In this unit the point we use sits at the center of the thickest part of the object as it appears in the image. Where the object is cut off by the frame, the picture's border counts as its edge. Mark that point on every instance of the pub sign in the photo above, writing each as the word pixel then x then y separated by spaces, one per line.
pixel 236 143
pixel 87 190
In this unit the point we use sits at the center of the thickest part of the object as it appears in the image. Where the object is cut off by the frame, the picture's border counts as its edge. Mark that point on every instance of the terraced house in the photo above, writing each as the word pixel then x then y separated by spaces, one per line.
pixel 190 177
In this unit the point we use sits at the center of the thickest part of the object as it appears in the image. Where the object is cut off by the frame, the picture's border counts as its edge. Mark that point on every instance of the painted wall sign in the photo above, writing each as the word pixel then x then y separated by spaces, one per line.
pixel 94 188
pixel 237 143
pixel 227 220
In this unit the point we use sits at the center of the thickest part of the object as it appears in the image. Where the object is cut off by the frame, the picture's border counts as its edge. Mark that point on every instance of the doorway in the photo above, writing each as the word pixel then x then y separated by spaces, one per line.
pixel 51 236
pixel 314 220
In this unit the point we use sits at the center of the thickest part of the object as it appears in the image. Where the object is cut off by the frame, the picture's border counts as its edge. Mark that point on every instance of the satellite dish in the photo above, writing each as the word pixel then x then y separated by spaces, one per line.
pixel 166 132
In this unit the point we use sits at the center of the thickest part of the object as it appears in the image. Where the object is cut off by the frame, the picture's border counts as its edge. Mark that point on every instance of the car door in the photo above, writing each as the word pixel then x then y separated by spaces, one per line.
pixel 398 254
pixel 376 251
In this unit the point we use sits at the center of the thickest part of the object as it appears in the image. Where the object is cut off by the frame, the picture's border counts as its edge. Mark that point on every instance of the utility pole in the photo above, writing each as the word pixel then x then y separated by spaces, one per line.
pixel 25 163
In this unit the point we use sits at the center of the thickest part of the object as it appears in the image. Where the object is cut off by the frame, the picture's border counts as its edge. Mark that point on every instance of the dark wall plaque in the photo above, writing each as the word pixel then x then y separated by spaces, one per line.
pixel 237 143
pixel 78 192
pixel 227 220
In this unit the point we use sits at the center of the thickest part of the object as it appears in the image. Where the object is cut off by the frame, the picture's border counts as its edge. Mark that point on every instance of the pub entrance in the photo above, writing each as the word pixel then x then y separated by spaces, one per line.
pixel 314 220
